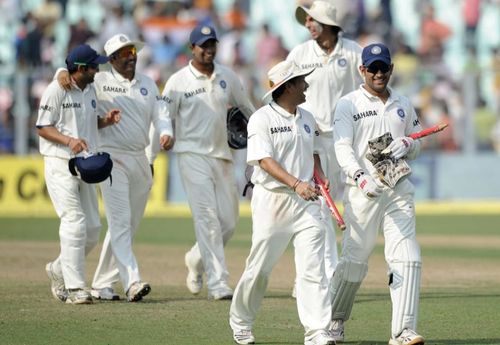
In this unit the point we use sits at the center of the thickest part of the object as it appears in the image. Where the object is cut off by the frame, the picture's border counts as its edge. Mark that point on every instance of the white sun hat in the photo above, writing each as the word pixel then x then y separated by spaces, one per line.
pixel 282 72
pixel 321 11
pixel 119 41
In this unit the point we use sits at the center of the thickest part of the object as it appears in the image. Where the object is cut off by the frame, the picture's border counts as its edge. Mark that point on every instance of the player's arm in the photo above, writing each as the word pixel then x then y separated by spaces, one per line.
pixel 63 78
pixel 51 133
pixel 162 122
pixel 302 188
pixel 240 97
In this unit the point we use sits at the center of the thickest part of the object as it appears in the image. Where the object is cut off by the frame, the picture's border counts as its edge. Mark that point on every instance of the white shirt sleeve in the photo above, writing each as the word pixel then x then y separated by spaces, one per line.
pixel 240 97
pixel 343 136
pixel 154 145
pixel 259 141
pixel 161 116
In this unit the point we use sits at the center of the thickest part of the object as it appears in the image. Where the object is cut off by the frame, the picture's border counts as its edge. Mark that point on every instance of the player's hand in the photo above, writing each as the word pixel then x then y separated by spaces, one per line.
pixel 167 142
pixel 367 185
pixel 113 116
pixel 77 145
pixel 306 191
pixel 400 147
pixel 64 80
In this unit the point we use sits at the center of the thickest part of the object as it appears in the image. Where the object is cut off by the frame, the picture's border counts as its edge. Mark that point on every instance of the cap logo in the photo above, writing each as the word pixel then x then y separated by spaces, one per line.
pixel 123 39
pixel 376 50
pixel 205 30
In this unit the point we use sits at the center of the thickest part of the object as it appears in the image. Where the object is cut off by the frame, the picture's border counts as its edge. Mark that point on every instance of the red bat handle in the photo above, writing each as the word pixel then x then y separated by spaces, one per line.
pixel 428 131
pixel 329 201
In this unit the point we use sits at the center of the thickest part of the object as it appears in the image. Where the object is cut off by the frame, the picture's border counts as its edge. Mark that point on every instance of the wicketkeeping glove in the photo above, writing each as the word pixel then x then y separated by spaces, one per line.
pixel 400 147
pixel 367 184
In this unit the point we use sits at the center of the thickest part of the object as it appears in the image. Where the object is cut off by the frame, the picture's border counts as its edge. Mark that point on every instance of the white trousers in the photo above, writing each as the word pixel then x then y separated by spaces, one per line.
pixel 76 205
pixel 393 213
pixel 278 218
pixel 213 198
pixel 124 200
pixel 331 169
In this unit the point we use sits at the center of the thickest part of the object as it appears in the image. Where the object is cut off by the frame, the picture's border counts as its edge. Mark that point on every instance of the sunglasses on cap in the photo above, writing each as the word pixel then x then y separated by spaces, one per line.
pixel 126 52
pixel 91 65
pixel 378 66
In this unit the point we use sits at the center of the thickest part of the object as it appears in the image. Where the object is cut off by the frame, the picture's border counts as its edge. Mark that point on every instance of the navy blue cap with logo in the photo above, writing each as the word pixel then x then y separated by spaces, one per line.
pixel 201 34
pixel 84 55
pixel 92 169
pixel 375 52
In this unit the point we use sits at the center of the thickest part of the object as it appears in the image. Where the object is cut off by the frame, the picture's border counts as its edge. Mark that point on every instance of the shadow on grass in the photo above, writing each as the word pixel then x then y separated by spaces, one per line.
pixel 435 342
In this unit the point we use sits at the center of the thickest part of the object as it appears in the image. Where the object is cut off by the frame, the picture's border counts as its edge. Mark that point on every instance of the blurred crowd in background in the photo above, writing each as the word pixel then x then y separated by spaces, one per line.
pixel 446 52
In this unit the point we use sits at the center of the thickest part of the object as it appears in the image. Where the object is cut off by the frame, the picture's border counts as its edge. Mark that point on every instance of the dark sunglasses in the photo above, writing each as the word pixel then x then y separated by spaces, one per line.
pixel 375 67
pixel 126 52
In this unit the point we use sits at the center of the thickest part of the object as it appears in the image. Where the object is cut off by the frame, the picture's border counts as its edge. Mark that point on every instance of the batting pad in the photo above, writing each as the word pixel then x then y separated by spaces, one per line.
pixel 404 283
pixel 345 283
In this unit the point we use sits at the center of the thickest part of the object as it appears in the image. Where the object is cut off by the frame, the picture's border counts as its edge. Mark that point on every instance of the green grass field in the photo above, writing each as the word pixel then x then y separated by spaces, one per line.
pixel 460 300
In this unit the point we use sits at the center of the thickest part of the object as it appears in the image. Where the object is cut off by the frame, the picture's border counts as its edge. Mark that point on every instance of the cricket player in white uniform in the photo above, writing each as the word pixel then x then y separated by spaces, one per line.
pixel 370 206
pixel 336 60
pixel 282 146
pixel 198 97
pixel 67 124
pixel 138 98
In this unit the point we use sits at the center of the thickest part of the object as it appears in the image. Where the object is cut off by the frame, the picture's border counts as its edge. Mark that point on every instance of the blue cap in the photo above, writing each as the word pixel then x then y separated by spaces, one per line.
pixel 375 52
pixel 84 55
pixel 201 34
pixel 92 169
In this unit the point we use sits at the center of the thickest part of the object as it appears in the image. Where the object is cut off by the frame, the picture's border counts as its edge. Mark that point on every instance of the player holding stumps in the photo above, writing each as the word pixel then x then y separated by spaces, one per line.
pixel 336 60
pixel 282 144
pixel 370 206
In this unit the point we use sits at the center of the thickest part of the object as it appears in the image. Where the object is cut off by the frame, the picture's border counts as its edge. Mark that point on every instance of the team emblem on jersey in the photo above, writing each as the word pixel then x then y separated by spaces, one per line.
pixel 401 113
pixel 144 92
pixel 94 104
pixel 223 84
pixel 308 130
pixel 342 62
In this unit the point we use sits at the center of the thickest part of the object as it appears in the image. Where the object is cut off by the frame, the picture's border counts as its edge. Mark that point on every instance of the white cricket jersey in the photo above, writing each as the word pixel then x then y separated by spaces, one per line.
pixel 140 104
pixel 334 76
pixel 288 139
pixel 72 113
pixel 198 105
pixel 360 117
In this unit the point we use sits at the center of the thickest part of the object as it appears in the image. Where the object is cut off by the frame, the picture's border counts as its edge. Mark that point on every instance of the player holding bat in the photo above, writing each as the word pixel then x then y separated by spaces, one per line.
pixel 373 125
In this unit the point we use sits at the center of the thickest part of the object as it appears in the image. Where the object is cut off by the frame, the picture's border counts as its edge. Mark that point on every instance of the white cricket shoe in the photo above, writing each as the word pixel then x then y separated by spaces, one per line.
pixel 294 291
pixel 243 337
pixel 337 330
pixel 223 293
pixel 319 338
pixel 407 337
pixel 56 284
pixel 105 294
pixel 194 279
pixel 79 296
pixel 137 291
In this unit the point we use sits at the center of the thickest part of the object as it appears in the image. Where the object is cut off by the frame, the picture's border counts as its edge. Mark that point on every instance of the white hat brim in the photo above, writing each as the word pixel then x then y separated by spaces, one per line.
pixel 305 72
pixel 301 13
